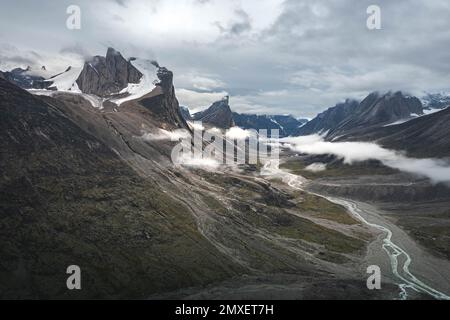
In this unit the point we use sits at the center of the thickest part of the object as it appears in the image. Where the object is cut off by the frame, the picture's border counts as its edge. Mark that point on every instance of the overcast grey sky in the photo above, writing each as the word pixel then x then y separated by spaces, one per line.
pixel 271 56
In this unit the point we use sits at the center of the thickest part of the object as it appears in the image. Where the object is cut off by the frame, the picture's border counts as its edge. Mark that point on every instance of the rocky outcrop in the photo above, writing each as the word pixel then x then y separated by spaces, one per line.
pixel 218 115
pixel 105 76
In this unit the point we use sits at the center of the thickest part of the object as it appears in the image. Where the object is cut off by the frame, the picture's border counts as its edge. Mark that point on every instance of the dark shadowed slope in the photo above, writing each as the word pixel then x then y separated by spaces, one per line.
pixel 66 198
pixel 427 136
pixel 80 185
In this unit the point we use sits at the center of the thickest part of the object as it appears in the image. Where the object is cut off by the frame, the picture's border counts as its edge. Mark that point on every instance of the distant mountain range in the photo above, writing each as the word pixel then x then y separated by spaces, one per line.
pixel 378 116
pixel 377 110
pixel 287 125
pixel 220 115
pixel 353 118
pixel 394 120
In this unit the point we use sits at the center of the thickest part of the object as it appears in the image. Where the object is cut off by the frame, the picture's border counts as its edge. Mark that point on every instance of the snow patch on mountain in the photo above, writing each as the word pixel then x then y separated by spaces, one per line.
pixel 414 116
pixel 66 81
pixel 146 84
pixel 431 111
pixel 276 123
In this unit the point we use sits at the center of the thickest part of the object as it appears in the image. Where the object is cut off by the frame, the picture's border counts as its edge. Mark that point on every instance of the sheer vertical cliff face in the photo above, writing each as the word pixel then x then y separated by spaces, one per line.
pixel 104 76
pixel 162 101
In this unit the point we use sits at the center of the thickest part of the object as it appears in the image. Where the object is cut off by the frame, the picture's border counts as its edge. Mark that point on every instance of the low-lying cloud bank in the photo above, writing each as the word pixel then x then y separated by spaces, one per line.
pixel 205 163
pixel 162 134
pixel 435 169
pixel 236 133
pixel 316 167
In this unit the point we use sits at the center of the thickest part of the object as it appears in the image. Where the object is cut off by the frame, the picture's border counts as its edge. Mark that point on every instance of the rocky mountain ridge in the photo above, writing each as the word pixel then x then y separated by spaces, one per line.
pixel 378 110
pixel 353 118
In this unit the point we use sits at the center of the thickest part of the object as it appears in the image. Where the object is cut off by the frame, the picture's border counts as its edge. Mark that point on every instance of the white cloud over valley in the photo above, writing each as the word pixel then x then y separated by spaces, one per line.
pixel 435 169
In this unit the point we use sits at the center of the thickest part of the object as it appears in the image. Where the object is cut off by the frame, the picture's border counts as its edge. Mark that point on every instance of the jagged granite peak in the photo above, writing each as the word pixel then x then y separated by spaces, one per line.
pixel 105 76
pixel 162 101
pixel 377 110
pixel 328 119
pixel 218 115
